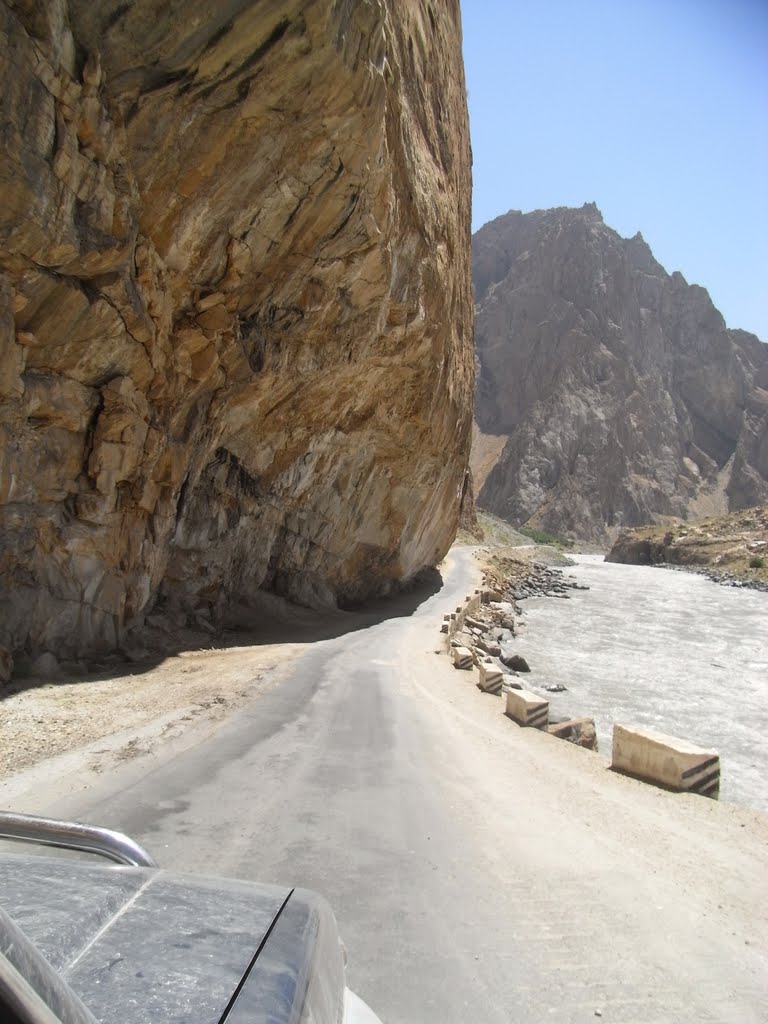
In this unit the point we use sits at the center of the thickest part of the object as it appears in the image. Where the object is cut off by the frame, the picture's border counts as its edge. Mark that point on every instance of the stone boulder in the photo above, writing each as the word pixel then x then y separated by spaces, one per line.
pixel 45 666
pixel 488 646
pixel 514 661
pixel 6 665
pixel 580 731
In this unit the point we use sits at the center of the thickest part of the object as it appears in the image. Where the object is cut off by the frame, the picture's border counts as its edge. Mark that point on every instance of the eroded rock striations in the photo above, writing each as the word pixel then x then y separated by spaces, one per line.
pixel 235 312
pixel 616 390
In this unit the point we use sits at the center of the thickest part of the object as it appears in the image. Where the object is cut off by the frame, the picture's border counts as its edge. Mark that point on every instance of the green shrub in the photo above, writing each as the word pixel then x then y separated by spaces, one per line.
pixel 756 562
pixel 542 537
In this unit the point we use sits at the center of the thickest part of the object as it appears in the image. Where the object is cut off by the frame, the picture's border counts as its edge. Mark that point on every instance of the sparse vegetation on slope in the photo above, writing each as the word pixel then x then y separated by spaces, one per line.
pixel 543 537
pixel 734 545
pixel 494 532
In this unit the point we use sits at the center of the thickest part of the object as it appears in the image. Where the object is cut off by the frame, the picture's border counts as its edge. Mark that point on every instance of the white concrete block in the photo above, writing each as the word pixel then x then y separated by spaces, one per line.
pixel 491 677
pixel 665 760
pixel 527 709
pixel 461 657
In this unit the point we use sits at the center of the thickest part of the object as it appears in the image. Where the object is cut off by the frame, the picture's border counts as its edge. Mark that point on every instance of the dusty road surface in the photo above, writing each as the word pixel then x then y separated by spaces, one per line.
pixel 480 873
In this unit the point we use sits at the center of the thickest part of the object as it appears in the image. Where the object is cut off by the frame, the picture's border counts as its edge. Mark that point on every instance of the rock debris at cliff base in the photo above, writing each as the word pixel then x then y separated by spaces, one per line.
pixel 235 313
pixel 482 631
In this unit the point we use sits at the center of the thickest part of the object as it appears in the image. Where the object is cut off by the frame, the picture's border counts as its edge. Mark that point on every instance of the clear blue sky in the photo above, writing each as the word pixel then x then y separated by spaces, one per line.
pixel 656 110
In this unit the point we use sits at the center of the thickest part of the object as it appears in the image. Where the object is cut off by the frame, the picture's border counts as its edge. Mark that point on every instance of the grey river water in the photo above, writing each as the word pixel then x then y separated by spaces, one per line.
pixel 667 650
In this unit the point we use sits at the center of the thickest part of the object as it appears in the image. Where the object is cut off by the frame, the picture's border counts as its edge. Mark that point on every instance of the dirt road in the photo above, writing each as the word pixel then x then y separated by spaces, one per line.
pixel 480 873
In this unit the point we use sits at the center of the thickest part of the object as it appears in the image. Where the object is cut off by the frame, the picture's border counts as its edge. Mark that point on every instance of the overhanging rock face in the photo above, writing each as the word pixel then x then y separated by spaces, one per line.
pixel 235 314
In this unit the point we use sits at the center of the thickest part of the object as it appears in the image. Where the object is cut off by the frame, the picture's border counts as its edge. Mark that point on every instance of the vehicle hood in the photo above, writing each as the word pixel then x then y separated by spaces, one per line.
pixel 140 944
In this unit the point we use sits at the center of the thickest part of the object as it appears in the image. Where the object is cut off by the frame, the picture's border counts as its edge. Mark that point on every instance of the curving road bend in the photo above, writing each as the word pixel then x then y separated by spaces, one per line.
pixel 479 872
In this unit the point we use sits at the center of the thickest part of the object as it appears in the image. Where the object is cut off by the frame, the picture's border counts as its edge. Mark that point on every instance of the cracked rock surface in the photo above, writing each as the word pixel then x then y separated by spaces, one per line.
pixel 235 311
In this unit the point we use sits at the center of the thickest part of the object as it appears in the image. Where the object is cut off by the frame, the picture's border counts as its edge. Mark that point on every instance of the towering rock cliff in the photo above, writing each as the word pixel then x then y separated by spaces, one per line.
pixel 609 392
pixel 235 310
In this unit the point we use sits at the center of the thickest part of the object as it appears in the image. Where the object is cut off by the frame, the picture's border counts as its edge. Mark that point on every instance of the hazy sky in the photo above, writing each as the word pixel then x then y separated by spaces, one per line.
pixel 655 110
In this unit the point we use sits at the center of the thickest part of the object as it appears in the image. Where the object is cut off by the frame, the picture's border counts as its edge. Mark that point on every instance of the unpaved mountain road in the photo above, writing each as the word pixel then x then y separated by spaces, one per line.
pixel 480 872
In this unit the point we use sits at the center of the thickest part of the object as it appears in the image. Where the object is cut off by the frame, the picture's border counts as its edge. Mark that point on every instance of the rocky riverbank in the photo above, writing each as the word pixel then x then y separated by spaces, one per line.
pixel 482 633
pixel 731 549
pixel 516 579
pixel 721 576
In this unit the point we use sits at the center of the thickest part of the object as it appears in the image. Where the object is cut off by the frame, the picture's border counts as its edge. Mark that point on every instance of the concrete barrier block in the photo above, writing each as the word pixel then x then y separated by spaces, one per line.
pixel 491 677
pixel 527 709
pixel 461 657
pixel 665 760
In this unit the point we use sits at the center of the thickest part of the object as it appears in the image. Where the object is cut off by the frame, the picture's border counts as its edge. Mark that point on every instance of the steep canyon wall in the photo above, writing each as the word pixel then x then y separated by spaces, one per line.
pixel 235 307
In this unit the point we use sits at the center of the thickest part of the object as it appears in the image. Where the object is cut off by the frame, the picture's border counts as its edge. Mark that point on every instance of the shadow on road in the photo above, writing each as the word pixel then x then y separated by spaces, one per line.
pixel 269 620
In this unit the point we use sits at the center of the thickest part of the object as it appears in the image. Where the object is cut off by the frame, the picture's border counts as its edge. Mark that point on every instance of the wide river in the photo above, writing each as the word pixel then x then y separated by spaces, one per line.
pixel 667 650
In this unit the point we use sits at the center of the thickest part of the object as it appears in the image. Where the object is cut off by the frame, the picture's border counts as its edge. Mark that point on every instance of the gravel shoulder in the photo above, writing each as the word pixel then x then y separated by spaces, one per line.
pixel 46 718
pixel 185 681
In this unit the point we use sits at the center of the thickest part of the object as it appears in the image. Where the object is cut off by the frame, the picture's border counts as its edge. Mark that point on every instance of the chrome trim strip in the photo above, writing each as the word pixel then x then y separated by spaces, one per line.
pixel 71 835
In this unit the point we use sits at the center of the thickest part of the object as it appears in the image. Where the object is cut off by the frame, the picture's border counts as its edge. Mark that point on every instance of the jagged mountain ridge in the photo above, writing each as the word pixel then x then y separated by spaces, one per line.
pixel 616 389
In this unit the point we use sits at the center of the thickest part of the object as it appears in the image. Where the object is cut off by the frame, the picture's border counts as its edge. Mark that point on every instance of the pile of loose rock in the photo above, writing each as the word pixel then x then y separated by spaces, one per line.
pixel 516 581
pixel 487 635
pixel 481 634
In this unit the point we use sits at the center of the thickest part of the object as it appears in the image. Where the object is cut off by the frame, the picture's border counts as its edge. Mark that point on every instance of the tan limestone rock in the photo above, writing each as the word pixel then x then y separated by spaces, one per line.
pixel 580 731
pixel 235 312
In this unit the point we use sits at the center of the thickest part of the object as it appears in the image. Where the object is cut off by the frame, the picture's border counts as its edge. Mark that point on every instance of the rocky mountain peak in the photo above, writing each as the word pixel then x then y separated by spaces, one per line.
pixel 614 391
pixel 590 209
